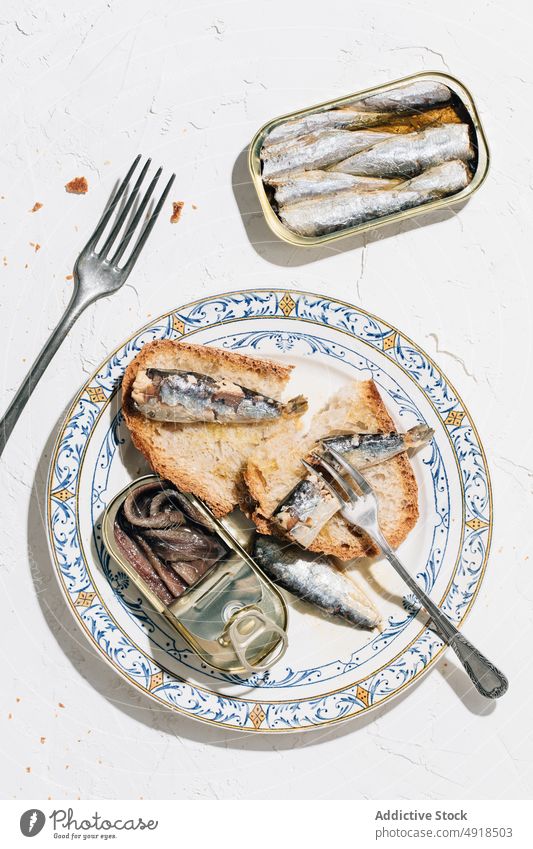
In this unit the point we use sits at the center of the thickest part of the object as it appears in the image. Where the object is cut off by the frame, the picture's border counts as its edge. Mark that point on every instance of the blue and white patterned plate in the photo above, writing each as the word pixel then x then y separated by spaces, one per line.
pixel 332 671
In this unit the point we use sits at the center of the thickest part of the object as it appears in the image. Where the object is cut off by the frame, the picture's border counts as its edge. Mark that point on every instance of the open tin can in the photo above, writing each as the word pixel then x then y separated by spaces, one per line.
pixel 462 101
pixel 233 617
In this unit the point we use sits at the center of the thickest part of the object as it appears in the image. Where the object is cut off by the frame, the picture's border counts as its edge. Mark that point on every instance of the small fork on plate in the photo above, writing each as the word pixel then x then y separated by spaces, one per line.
pixel 96 274
pixel 360 509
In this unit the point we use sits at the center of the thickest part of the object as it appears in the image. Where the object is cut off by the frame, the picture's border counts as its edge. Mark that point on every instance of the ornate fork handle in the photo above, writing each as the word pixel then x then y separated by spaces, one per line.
pixel 486 678
pixel 7 423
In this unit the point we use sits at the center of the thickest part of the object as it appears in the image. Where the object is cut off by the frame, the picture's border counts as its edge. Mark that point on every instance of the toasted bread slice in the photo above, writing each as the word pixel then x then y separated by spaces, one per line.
pixel 275 468
pixel 205 459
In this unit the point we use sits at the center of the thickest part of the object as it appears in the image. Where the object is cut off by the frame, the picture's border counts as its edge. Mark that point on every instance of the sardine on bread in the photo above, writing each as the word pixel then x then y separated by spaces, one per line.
pixel 205 458
pixel 275 469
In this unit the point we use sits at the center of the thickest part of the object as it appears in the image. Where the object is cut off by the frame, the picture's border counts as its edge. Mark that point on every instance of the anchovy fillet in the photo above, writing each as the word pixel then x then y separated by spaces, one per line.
pixel 317 150
pixel 315 580
pixel 307 508
pixel 169 395
pixel 328 213
pixel 300 185
pixel 407 155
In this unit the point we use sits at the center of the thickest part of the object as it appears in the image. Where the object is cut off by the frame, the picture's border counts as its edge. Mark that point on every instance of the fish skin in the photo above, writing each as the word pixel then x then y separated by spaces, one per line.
pixel 310 504
pixel 330 213
pixel 317 150
pixel 406 98
pixel 327 214
pixel 315 580
pixel 170 395
pixel 343 118
pixel 300 185
pixel 305 510
pixel 409 154
pixel 446 179
pixel 371 111
pixel 368 449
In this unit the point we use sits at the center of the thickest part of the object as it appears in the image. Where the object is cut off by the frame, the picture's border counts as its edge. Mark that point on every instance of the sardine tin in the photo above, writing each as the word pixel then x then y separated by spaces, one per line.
pixel 276 225
pixel 234 618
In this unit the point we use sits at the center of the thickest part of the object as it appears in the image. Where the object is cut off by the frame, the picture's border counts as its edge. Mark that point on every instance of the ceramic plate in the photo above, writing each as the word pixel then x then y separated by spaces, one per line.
pixel 332 671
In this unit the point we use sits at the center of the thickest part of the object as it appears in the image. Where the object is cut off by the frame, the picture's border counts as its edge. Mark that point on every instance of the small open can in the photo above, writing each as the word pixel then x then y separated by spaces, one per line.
pixel 463 102
pixel 234 618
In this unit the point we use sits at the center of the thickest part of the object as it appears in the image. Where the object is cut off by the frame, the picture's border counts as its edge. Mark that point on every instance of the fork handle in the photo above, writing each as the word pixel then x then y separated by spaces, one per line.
pixel 485 677
pixel 7 423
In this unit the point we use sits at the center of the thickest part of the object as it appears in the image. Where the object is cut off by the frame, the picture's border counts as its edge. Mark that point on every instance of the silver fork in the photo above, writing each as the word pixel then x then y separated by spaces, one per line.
pixel 96 274
pixel 360 509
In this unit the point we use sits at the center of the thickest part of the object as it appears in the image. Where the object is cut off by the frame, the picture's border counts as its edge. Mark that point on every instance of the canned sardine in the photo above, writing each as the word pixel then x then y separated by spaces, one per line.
pixel 196 572
pixel 374 157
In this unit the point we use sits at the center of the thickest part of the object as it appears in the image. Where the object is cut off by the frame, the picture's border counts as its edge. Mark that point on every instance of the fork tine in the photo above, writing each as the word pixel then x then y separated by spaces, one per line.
pixel 345 486
pixel 111 208
pixel 123 244
pixel 361 481
pixel 122 216
pixel 326 483
pixel 148 228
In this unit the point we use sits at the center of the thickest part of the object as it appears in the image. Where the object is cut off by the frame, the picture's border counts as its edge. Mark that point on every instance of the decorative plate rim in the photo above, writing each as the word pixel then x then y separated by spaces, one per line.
pixel 257 710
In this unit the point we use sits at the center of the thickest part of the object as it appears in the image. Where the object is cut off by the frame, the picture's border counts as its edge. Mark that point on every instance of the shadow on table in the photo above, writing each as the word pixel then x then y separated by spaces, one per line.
pixel 460 683
pixel 124 697
pixel 278 252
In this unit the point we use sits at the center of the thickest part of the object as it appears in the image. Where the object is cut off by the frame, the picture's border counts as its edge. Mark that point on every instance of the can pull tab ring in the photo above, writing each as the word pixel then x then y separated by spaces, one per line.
pixel 245 627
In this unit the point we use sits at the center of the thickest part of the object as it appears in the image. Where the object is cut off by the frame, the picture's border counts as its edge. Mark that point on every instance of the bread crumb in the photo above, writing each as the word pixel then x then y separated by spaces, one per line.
pixel 68 276
pixel 28 769
pixel 194 206
pixel 36 207
pixel 43 739
pixel 60 704
pixel 77 186
pixel 177 206
pixel 5 260
pixel 18 699
pixel 36 246
pixel 10 716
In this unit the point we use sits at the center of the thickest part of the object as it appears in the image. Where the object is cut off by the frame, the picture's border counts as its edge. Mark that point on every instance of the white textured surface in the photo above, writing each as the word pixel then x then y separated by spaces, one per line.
pixel 85 86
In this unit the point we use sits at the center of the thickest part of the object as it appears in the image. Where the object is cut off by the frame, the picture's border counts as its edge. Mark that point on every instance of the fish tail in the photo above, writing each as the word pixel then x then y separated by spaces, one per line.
pixel 418 435
pixel 296 406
